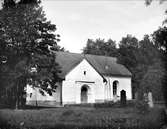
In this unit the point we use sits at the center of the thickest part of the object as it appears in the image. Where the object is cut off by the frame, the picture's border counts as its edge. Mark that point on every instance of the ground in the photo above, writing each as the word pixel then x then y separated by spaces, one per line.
pixel 83 117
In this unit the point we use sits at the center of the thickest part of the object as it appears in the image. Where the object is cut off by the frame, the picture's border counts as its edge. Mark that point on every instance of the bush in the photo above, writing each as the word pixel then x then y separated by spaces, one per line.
pixel 156 118
pixel 104 104
pixel 129 103
pixel 141 106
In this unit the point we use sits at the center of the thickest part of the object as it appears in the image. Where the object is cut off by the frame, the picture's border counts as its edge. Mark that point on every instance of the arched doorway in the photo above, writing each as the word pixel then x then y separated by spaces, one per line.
pixel 84 93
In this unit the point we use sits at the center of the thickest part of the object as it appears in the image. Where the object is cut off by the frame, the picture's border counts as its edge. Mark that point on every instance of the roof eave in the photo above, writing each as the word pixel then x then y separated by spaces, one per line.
pixel 117 75
pixel 104 79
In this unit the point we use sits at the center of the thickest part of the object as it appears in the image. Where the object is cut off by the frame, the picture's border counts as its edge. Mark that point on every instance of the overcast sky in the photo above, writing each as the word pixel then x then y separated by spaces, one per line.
pixel 79 20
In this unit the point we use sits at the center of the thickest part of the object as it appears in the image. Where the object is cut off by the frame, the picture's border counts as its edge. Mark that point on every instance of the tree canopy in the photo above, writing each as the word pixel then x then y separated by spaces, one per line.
pixel 13 3
pixel 101 47
pixel 25 39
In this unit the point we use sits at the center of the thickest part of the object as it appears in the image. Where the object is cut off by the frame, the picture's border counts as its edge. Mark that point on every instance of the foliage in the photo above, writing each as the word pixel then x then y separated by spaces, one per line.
pixel 132 58
pixel 142 107
pixel 160 41
pixel 153 81
pixel 128 51
pixel 145 60
pixel 13 3
pixel 111 104
pixel 25 39
pixel 101 47
pixel 148 2
pixel 160 38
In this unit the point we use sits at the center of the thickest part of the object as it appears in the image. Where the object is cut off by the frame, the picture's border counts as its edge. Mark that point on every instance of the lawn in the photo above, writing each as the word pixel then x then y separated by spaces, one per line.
pixel 83 117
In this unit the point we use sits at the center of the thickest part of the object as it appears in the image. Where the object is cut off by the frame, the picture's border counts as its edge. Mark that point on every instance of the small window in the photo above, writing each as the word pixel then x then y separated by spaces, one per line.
pixel 84 72
pixel 30 95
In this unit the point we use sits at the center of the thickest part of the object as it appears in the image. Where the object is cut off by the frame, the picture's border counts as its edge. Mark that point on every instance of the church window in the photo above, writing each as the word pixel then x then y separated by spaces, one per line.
pixel 30 95
pixel 115 86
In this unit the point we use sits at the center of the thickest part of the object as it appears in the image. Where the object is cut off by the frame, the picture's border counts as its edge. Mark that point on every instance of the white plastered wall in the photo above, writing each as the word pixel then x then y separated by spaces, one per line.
pixel 124 83
pixel 75 79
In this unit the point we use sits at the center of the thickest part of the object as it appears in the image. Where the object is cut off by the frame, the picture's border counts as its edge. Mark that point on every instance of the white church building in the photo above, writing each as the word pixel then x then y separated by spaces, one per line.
pixel 85 79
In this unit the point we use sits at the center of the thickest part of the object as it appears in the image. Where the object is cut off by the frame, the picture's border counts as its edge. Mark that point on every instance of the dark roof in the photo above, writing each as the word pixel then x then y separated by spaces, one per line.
pixel 105 66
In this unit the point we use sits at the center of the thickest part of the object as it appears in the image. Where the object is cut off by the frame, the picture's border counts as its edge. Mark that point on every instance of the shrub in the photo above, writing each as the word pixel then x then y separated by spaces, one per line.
pixel 156 118
pixel 129 103
pixel 141 106
pixel 104 105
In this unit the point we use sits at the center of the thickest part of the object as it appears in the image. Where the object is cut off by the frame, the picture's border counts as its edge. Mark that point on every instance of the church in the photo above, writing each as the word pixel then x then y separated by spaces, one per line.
pixel 85 79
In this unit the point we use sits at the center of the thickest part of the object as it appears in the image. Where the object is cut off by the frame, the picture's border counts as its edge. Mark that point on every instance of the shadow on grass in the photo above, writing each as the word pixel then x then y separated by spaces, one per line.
pixel 154 119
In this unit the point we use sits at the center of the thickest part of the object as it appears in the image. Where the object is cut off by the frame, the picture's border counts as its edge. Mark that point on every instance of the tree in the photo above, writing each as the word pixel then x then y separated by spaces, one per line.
pixel 160 41
pixel 25 39
pixel 160 38
pixel 153 73
pixel 144 58
pixel 128 56
pixel 148 51
pixel 13 3
pixel 128 50
pixel 138 56
pixel 129 41
pixel 153 80
pixel 148 2
pixel 100 47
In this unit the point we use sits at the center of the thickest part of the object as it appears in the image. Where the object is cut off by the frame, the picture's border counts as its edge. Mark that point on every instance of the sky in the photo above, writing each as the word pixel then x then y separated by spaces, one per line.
pixel 78 20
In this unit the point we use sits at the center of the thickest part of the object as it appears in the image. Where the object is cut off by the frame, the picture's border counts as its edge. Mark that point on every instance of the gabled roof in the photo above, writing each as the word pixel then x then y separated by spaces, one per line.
pixel 105 66
pixel 67 61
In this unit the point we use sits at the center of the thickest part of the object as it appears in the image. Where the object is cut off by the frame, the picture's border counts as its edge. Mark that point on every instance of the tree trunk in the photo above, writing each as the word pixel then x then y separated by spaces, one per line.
pixel 16 104
pixel 17 95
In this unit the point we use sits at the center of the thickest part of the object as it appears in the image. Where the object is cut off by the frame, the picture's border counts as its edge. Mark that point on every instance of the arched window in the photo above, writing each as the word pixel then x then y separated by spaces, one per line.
pixel 115 86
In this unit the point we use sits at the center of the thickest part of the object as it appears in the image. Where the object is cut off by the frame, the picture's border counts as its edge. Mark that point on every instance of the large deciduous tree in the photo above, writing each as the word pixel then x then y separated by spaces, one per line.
pixel 160 41
pixel 101 47
pixel 25 39
pixel 140 57
pixel 128 50
pixel 12 3
pixel 129 56
pixel 153 81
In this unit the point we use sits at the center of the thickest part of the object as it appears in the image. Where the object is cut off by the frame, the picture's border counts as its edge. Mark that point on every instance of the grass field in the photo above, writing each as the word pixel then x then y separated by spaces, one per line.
pixel 83 117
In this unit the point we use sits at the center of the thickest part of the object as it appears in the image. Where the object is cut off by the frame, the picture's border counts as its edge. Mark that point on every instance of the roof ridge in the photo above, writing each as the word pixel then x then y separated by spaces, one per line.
pixel 101 56
pixel 84 55
pixel 67 52
pixel 69 60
